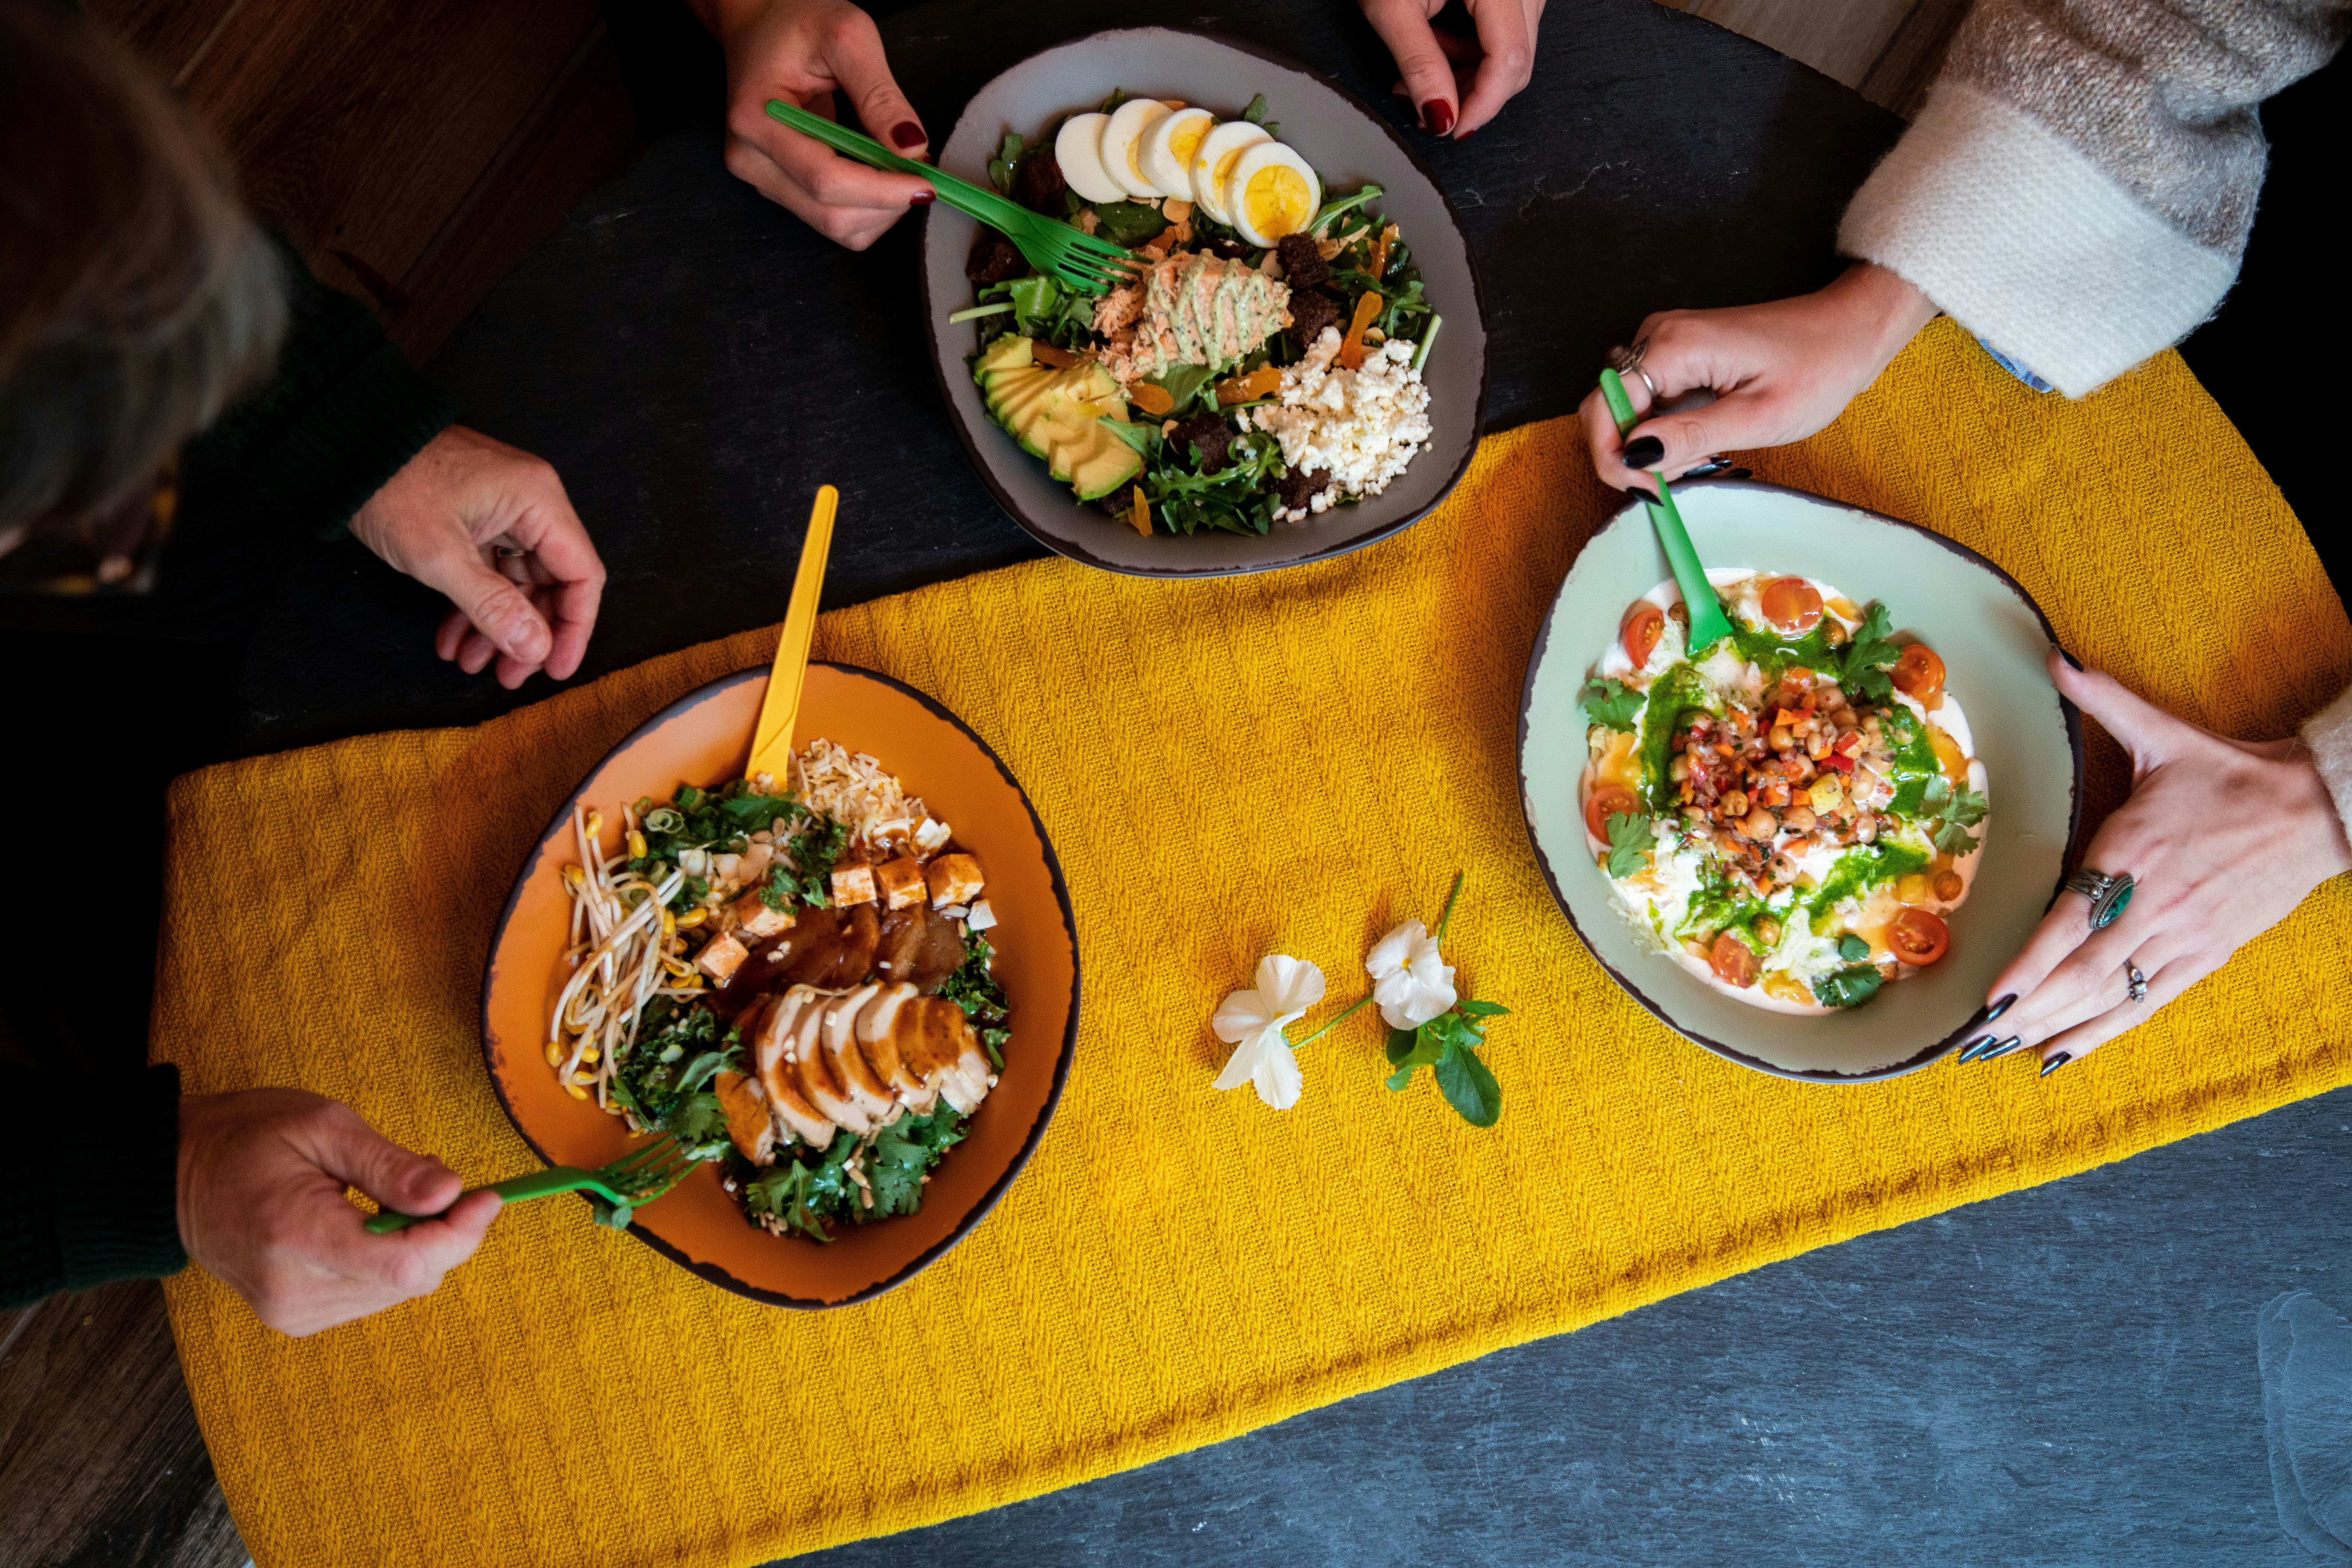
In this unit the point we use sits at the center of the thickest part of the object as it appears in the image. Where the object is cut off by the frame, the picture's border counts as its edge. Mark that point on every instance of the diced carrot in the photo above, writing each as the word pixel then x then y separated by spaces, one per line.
pixel 1139 514
pixel 1351 351
pixel 1380 250
pixel 1047 353
pixel 1263 381
pixel 1152 400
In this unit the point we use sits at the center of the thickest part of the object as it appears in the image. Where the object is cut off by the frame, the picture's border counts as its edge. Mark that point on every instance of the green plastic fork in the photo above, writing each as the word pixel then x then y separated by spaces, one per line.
pixel 1081 260
pixel 630 1181
pixel 1707 621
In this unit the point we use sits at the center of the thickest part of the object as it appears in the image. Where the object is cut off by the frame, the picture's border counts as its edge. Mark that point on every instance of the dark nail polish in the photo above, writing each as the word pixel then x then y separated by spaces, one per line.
pixel 2054 1063
pixel 2072 662
pixel 1644 452
pixel 922 198
pixel 1438 115
pixel 906 136
pixel 2011 1044
pixel 1975 1048
pixel 1998 1008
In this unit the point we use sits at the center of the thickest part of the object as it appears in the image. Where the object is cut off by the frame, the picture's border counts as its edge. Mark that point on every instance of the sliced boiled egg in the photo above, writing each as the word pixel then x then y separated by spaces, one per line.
pixel 1168 149
pixel 1214 161
pixel 1272 192
pixel 1078 150
pixel 1122 146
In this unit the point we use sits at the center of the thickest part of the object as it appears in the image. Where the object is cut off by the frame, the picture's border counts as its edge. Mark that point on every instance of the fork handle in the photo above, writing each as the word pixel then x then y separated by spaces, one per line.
pixel 514 1189
pixel 960 193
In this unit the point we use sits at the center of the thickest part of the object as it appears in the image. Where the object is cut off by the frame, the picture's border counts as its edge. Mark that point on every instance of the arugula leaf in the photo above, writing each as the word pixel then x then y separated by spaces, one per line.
pixel 1143 437
pixel 1338 205
pixel 1183 382
pixel 1469 1087
pixel 1255 112
pixel 1868 656
pixel 1630 843
pixel 1118 96
pixel 1618 706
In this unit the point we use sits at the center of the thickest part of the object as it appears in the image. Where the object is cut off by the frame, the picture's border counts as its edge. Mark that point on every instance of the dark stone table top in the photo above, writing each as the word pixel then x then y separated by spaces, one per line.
pixel 695 361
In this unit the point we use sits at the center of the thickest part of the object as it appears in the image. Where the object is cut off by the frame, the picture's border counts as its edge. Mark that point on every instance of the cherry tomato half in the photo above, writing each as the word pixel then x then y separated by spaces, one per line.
pixel 1609 800
pixel 1733 963
pixel 1921 673
pixel 1791 604
pixel 1638 632
pixel 1918 936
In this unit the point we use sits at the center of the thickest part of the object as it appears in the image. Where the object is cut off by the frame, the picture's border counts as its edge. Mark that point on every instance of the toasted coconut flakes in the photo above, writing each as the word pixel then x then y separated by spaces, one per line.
pixel 852 789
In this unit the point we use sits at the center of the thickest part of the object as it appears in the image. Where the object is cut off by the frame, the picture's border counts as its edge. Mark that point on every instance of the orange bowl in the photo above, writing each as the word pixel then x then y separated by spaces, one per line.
pixel 705 738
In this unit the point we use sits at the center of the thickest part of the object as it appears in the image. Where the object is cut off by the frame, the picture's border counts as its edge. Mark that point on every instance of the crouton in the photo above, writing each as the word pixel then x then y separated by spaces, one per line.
pixel 720 957
pixel 852 885
pixel 755 920
pixel 954 879
pixel 900 882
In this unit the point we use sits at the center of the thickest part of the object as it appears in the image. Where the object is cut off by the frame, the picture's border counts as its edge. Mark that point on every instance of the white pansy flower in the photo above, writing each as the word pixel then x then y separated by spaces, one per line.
pixel 1412 983
pixel 1255 1020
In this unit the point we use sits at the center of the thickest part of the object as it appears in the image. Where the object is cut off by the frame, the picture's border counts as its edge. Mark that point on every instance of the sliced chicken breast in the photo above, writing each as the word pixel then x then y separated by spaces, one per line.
pixel 817 1078
pixel 749 1122
pixel 875 1037
pixel 865 1088
pixel 771 1040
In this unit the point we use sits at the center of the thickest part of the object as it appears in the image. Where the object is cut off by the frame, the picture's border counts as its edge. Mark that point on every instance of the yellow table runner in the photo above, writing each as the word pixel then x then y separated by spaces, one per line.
pixel 1293 762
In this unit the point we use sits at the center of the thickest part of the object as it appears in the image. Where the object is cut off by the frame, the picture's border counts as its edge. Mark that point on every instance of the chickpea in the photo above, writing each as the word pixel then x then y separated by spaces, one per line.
pixel 1696 813
pixel 1800 818
pixel 1865 827
pixel 1948 886
pixel 1760 825
pixel 1678 613
pixel 1767 930
pixel 1817 746
pixel 1784 871
pixel 1845 720
pixel 1781 737
pixel 1679 769
pixel 1735 805
pixel 1836 635
pixel 1832 696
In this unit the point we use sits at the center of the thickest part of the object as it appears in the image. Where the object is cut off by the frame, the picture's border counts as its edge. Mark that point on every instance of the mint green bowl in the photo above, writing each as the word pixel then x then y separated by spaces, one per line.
pixel 1993 639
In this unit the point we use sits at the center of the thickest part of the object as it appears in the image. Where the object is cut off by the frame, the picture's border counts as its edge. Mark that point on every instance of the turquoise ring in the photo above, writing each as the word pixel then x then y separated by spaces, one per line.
pixel 2109 896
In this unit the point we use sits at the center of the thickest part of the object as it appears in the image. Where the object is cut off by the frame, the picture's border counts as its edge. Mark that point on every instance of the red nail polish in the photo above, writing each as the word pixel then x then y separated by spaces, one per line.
pixel 922 198
pixel 906 135
pixel 1438 115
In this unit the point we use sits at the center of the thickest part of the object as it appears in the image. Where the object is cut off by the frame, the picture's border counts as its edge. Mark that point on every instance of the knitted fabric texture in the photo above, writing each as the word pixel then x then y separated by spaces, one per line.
pixel 1290 762
pixel 2079 188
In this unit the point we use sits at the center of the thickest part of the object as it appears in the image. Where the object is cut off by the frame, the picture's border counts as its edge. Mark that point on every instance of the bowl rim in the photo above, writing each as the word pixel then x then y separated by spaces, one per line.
pixel 712 1272
pixel 2072 716
pixel 1079 553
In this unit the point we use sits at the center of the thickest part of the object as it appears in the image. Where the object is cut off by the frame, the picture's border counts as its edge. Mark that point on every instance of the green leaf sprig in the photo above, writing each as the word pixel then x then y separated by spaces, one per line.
pixel 1448 1045
pixel 1868 656
pixel 1954 813
pixel 1630 843
pixel 1613 702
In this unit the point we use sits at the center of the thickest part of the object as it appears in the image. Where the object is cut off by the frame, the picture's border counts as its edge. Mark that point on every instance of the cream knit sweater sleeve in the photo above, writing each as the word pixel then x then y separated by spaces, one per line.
pixel 2328 733
pixel 2078 190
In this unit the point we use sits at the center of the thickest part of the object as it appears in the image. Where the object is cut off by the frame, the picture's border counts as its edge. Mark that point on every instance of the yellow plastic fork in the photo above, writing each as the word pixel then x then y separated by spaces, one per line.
pixel 771 738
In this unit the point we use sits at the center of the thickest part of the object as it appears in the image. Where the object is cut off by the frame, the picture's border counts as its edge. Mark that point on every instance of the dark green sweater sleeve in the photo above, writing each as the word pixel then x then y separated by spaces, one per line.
pixel 91 1208
pixel 342 414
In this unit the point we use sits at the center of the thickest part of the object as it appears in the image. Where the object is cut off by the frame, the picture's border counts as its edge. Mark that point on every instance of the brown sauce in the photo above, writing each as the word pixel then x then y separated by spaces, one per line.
pixel 837 950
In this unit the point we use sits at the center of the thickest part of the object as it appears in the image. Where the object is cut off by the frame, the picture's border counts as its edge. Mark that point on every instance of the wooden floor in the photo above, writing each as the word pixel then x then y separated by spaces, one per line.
pixel 414 150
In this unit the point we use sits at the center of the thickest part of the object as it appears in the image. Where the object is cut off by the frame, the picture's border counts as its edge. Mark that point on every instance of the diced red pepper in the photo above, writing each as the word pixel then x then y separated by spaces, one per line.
pixel 1848 743
pixel 1842 763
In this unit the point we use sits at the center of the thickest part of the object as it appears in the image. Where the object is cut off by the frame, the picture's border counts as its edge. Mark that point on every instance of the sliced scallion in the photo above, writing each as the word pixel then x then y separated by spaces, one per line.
pixel 977 312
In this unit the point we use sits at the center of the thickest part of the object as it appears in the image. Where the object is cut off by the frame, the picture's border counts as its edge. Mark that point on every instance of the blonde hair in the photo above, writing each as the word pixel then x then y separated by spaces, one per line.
pixel 137 298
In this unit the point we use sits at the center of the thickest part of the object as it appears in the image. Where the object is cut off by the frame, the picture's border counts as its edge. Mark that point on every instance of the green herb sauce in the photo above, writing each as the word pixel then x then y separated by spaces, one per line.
pixel 1858 870
pixel 1678 692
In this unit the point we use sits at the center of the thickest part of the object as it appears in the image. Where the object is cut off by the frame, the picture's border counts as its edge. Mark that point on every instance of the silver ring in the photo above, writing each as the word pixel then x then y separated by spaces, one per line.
pixel 2109 896
pixel 2136 984
pixel 508 553
pixel 1628 362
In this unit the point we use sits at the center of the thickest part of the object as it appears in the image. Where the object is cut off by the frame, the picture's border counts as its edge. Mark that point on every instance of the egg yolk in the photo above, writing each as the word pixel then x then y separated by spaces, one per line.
pixel 1135 159
pixel 1277 200
pixel 1186 140
pixel 1226 166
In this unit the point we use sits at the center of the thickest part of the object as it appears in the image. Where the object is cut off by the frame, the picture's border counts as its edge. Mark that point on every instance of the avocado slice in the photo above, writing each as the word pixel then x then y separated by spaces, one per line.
pixel 1057 415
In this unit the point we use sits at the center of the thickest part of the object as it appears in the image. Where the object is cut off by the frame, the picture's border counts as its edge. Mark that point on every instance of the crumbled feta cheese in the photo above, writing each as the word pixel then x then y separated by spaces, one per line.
pixel 1361 427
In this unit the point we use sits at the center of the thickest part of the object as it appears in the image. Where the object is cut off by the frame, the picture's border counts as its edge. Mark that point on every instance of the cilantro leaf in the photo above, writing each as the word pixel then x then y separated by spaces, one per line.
pixel 1867 657
pixel 1968 808
pixel 1630 841
pixel 1617 706
pixel 1848 987
pixel 1937 794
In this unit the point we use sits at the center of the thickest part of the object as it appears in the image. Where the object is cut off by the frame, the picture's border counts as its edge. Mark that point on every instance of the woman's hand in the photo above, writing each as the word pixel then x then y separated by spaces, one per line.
pixel 1458 84
pixel 1780 372
pixel 490 526
pixel 261 1199
pixel 2223 839
pixel 802 51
